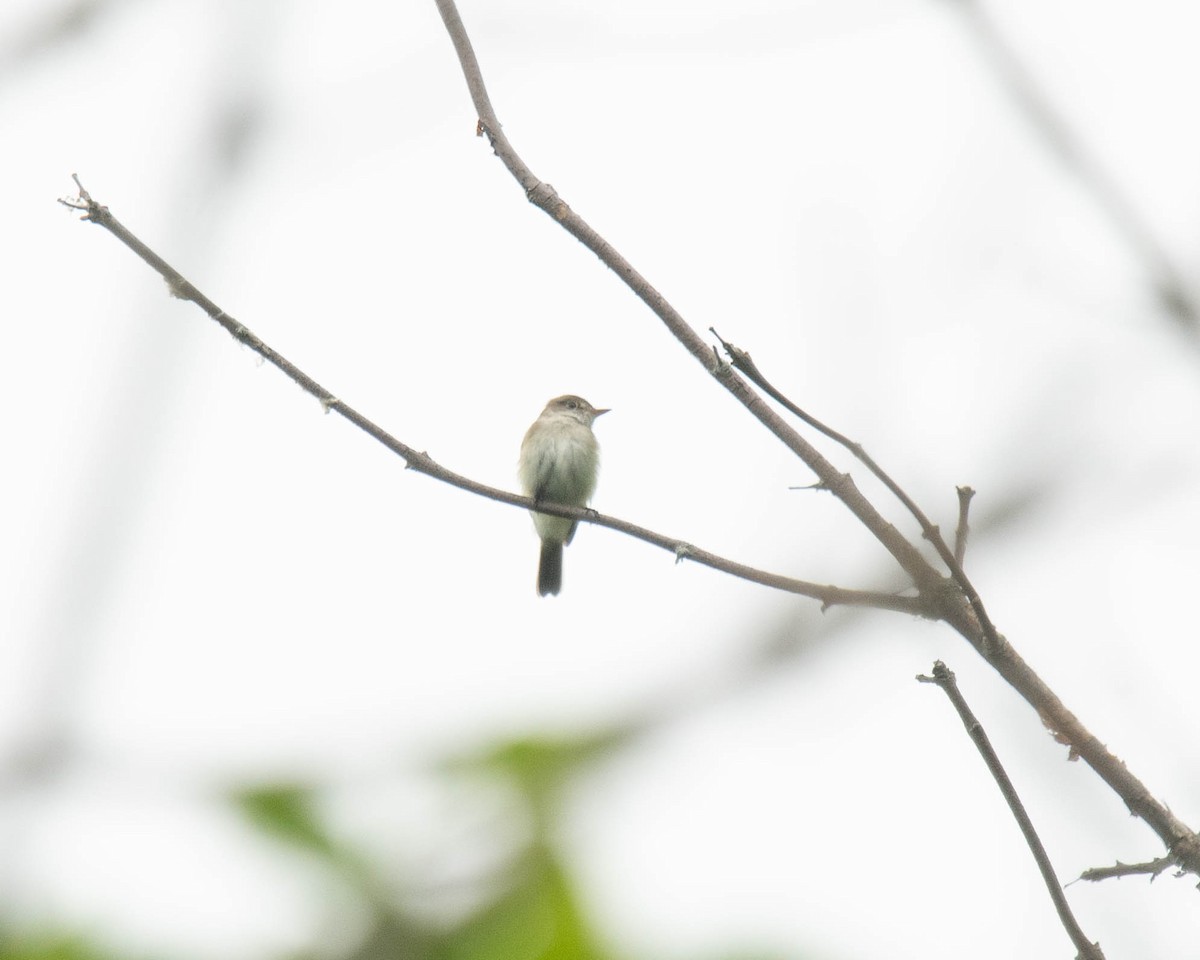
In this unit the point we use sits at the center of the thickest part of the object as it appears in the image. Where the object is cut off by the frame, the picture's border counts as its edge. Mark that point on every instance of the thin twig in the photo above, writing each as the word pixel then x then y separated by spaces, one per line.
pixel 963 529
pixel 1152 867
pixel 742 361
pixel 943 676
pixel 421 462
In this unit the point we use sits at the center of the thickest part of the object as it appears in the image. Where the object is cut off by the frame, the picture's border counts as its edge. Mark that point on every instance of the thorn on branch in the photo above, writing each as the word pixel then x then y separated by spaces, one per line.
pixel 963 529
pixel 719 368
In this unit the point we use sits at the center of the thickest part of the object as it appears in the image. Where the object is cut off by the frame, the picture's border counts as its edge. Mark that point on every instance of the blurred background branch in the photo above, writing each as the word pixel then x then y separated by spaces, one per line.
pixel 1175 292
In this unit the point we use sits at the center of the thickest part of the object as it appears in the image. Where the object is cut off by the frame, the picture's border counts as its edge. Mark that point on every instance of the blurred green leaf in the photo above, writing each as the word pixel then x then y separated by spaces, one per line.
pixel 286 812
pixel 48 947
pixel 535 911
pixel 540 766
pixel 540 917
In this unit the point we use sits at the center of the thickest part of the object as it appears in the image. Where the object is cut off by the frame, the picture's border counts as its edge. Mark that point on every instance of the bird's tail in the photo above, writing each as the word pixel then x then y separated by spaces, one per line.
pixel 550 568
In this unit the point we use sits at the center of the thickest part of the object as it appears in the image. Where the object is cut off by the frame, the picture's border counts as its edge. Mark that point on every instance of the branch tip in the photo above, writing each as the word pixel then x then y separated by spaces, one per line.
pixel 81 201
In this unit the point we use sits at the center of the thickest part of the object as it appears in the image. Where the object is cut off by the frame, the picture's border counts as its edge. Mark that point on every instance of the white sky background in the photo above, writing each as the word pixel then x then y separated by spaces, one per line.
pixel 242 589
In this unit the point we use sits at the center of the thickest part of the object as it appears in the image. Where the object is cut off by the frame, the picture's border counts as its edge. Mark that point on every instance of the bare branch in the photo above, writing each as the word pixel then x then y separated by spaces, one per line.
pixel 1119 869
pixel 742 361
pixel 420 461
pixel 1182 842
pixel 944 677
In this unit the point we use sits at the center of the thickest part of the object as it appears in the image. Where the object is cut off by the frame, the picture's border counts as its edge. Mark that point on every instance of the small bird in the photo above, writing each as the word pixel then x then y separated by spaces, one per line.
pixel 559 462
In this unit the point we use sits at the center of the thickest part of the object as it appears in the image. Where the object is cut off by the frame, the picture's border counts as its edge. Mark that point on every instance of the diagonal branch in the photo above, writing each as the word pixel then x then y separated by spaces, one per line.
pixel 421 462
pixel 944 677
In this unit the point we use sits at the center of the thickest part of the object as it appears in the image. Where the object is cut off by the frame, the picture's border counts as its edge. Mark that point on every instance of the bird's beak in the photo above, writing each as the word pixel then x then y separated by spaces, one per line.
pixel 597 413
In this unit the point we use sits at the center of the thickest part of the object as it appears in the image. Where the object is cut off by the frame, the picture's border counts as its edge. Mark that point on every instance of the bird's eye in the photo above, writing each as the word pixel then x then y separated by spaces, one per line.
pixel 572 404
